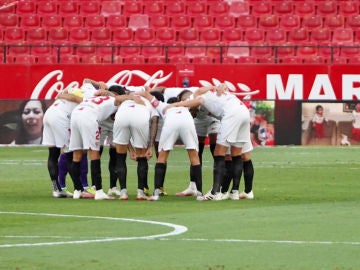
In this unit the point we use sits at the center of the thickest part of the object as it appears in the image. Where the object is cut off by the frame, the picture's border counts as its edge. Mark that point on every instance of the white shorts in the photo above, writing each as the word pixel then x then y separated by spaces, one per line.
pixel 234 127
pixel 132 122
pixel 56 128
pixel 181 127
pixel 85 131
pixel 206 126
pixel 247 147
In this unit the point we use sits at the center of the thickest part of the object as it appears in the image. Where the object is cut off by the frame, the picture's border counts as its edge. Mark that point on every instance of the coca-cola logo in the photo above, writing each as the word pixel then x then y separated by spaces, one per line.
pixel 48 89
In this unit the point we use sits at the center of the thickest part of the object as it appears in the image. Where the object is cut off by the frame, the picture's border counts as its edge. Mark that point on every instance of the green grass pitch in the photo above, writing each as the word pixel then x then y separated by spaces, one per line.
pixel 305 216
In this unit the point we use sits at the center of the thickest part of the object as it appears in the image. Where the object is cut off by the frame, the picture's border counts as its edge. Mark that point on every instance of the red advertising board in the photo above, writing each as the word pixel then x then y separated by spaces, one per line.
pixel 258 82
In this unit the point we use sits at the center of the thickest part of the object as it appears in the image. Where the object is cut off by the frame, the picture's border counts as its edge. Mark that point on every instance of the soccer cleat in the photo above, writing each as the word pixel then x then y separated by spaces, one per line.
pixel 101 195
pixel 163 192
pixel 77 194
pixel 141 196
pixel 225 196
pixel 244 195
pixel 155 196
pixel 90 190
pixel 211 197
pixel 68 193
pixel 199 196
pixel 59 194
pixel 234 195
pixel 189 191
pixel 87 195
pixel 124 194
pixel 114 191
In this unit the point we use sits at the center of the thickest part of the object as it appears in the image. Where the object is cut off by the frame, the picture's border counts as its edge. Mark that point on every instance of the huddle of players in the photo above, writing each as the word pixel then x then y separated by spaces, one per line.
pixel 89 115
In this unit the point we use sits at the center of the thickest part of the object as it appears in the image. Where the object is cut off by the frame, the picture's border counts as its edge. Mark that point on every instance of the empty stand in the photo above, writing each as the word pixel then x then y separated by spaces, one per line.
pixel 189 34
pixel 175 8
pixel 131 8
pixel 247 21
pixel 138 21
pixel 210 35
pixel 254 35
pixel 343 36
pixel 69 59
pixel 348 8
pixel 283 8
pixel 321 35
pixel 312 21
pixel 298 36
pixel 196 8
pixel 237 9
pixel 165 35
pixel 47 8
pixel 9 20
pixel 270 21
pixel 135 59
pixel 36 35
pixel 116 21
pixel 154 8
pixel 203 21
pixel 122 35
pixel 303 8
pixel 326 8
pixel 101 35
pixel 89 8
pixel 46 59
pixel 129 49
pixel 276 36
pixel 94 21
pixel 73 21
pixel 353 22
pixel 152 49
pixel 238 49
pixel 261 8
pixel 218 8
pixel 334 21
pixel 224 22
pixel 26 7
pixel 159 21
pixel 79 35
pixel 180 22
pixel 289 21
pixel 195 49
pixel 51 21
pixel 202 60
pixel 144 35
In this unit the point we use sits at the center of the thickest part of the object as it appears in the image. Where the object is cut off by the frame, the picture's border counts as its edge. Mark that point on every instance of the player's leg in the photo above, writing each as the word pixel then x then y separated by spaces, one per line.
pixel 195 170
pixel 159 175
pixel 248 169
pixel 53 169
pixel 121 169
pixel 236 171
pixel 142 172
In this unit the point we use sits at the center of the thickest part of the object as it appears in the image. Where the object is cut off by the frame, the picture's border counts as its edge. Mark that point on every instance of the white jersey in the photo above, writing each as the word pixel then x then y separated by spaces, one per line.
pixel 318 119
pixel 356 117
pixel 103 106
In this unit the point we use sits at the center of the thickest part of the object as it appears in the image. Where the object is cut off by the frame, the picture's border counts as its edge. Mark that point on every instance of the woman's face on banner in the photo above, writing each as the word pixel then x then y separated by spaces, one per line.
pixel 32 118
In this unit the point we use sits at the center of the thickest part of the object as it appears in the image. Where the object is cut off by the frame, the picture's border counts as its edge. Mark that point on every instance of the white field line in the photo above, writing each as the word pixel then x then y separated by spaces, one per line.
pixel 177 229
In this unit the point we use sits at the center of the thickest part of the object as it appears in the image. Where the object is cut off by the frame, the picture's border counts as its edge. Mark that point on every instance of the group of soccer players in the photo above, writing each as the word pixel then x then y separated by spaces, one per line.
pixel 139 119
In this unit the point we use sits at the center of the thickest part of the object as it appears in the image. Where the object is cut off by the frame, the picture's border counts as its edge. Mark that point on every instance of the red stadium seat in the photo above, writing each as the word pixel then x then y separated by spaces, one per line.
pixel 218 8
pixel 307 50
pixel 69 59
pixel 144 35
pixel 159 21
pixel 177 59
pixel 283 8
pixel 131 8
pixel 237 9
pixel 196 8
pixel 203 21
pixel 247 21
pixel 47 8
pixel 289 21
pixel 58 35
pixel 210 35
pixel 195 48
pixel 26 7
pixel 24 59
pixel 135 59
pixel 353 22
pixel 238 49
pixel 224 22
pixel 298 35
pixel 246 60
pixel 303 8
pixel 226 60
pixel 152 49
pixel 188 34
pixel 41 48
pixel 343 36
pixel 275 36
pixel 30 21
pixel 175 48
pixel 312 21
pixel 326 8
pixel 73 21
pixel 165 35
pixel 68 8
pixel 9 20
pixel 254 35
pixel 89 8
pixel 270 21
pixel 122 35
pixel 334 21
pixel 202 60
pixel 116 21
pixel 36 35
pixel 95 21
pixel 347 8
pixel 14 34
pixel 261 8
pixel 321 35
pixel 85 49
pixel 91 59
pixel 292 60
pixel 285 50
pixel 101 35
pixel 232 34
pixel 46 59
pixel 51 21
pixel 175 8
pixel 180 22
pixel 156 60
pixel 138 21
pixel 109 8
pixel 154 8
pixel 79 35
pixel 131 48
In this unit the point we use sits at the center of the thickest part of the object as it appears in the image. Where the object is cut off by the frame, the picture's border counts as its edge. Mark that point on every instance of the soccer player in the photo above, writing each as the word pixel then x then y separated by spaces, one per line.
pixel 85 135
pixel 178 122
pixel 132 122
pixel 56 132
pixel 233 133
